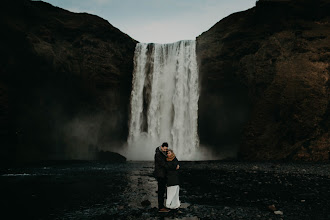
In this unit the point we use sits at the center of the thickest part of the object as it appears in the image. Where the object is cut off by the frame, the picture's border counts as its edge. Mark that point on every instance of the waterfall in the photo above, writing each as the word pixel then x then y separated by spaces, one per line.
pixel 164 100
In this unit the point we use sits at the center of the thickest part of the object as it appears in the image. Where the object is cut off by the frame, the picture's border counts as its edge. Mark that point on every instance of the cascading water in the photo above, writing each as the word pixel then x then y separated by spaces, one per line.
pixel 164 100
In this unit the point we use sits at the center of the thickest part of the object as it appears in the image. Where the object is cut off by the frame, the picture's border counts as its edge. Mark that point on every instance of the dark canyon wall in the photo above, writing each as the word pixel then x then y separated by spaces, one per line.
pixel 265 81
pixel 65 82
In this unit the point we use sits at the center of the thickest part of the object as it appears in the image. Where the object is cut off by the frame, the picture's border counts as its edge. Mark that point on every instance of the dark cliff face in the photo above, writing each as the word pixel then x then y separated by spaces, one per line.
pixel 265 81
pixel 65 82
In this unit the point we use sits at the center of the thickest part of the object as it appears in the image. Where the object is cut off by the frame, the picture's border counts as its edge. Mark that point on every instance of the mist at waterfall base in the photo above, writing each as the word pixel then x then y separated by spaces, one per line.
pixel 164 102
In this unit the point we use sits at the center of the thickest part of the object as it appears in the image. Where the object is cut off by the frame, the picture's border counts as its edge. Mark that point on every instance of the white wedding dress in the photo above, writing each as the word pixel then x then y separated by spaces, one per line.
pixel 172 199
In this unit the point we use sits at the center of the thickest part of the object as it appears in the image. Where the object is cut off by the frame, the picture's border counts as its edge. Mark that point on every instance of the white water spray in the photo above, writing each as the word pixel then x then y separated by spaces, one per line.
pixel 164 100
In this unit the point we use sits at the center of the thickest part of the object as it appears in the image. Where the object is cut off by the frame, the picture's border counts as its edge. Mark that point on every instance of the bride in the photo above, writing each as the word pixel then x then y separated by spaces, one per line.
pixel 172 200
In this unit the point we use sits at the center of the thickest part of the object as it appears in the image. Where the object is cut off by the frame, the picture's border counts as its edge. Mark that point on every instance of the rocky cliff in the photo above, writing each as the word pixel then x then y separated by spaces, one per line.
pixel 265 81
pixel 65 82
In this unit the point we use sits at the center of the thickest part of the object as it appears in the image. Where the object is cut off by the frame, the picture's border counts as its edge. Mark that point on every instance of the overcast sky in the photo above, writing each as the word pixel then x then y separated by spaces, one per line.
pixel 158 21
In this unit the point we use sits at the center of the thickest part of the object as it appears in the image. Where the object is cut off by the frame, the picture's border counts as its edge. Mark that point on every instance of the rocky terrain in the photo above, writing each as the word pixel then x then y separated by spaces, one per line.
pixel 208 190
pixel 265 81
pixel 65 82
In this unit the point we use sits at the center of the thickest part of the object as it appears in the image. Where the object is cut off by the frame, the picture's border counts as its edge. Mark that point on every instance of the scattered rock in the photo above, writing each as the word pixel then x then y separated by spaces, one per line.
pixel 110 156
pixel 278 212
pixel 184 205
pixel 204 197
pixel 272 208
pixel 145 203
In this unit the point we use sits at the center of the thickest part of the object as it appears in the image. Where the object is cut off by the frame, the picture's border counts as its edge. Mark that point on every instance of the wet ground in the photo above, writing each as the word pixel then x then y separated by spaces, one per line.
pixel 209 190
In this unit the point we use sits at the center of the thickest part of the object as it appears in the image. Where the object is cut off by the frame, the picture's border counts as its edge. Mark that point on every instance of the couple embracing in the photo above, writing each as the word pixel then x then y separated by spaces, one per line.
pixel 166 173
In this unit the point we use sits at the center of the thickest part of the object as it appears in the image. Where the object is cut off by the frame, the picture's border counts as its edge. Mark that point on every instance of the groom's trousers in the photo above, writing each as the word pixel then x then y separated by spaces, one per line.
pixel 161 191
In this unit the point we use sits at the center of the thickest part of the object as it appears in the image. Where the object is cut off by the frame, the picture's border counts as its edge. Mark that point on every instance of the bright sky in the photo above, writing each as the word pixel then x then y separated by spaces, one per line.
pixel 158 21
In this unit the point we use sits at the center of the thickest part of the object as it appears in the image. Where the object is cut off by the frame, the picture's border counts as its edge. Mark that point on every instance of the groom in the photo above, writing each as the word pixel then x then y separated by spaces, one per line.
pixel 160 174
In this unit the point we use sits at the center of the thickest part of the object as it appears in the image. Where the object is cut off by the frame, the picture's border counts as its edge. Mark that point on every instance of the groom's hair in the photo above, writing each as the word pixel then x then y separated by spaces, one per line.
pixel 165 144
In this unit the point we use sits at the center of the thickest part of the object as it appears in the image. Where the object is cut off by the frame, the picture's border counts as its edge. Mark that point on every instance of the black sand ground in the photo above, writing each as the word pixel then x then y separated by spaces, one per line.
pixel 209 190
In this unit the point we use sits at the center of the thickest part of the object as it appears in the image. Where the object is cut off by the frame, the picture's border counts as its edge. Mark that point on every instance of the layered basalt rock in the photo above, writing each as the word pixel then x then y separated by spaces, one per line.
pixel 265 81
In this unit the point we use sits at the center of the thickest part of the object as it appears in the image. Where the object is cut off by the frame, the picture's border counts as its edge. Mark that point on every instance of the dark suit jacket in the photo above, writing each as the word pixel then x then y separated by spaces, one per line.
pixel 172 172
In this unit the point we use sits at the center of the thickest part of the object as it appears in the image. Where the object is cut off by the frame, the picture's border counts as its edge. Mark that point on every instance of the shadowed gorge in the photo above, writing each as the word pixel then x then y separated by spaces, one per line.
pixel 66 81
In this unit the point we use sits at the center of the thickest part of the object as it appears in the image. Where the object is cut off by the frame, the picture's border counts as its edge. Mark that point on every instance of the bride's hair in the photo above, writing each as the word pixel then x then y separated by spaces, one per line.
pixel 170 150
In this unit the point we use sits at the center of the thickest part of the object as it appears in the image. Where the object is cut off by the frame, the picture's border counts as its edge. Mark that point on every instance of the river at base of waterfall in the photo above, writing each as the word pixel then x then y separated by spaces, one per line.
pixel 208 190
